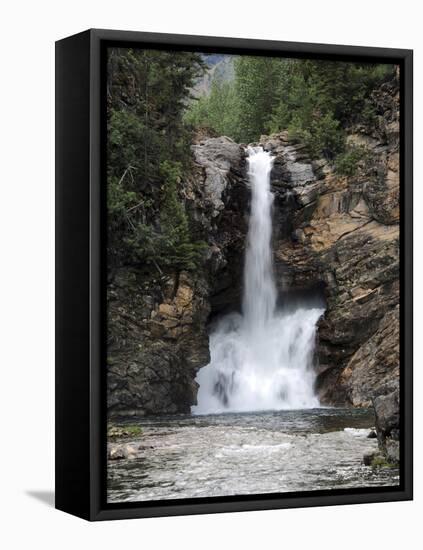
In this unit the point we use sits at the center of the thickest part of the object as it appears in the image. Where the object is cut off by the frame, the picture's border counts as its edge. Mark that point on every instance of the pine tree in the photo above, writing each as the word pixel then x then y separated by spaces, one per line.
pixel 147 92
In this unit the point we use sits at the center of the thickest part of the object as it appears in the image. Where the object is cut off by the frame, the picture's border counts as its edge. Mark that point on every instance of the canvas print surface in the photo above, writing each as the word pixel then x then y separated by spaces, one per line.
pixel 252 275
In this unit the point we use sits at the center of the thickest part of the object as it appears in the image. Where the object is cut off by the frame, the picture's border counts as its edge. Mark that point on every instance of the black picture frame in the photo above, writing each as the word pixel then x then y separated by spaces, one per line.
pixel 81 275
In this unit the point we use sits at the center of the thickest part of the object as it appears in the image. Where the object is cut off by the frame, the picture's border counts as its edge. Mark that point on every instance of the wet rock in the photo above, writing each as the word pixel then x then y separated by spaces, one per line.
pixel 368 458
pixel 391 448
pixel 387 413
pixel 144 447
pixel 121 452
pixel 387 424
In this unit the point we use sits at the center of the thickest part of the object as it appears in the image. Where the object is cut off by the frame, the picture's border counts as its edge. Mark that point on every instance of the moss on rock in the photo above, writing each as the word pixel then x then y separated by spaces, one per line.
pixel 123 432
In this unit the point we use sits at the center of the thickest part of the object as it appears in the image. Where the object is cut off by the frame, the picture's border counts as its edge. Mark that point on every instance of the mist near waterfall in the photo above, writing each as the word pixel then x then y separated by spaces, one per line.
pixel 261 359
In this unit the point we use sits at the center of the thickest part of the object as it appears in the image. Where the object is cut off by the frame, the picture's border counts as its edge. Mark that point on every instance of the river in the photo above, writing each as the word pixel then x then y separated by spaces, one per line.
pixel 248 453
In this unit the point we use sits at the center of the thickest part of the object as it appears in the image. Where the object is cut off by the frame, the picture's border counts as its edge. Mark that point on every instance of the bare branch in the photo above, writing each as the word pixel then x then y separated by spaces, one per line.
pixel 135 207
pixel 126 171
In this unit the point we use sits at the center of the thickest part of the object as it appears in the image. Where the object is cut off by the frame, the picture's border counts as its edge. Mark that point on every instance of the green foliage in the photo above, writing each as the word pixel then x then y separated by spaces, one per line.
pixel 321 134
pixel 119 199
pixel 347 163
pixel 241 108
pixel 168 243
pixel 175 247
pixel 380 461
pixel 217 111
pixel 317 100
pixel 255 79
pixel 314 100
pixel 148 147
pixel 123 432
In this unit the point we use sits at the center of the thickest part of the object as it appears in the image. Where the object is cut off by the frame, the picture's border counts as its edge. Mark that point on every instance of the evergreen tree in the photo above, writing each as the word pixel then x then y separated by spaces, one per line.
pixel 175 246
pixel 217 111
pixel 147 93
pixel 314 100
pixel 255 79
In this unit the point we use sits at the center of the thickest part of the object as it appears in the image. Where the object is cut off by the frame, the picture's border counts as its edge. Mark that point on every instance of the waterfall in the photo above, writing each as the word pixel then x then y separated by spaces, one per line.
pixel 259 286
pixel 262 359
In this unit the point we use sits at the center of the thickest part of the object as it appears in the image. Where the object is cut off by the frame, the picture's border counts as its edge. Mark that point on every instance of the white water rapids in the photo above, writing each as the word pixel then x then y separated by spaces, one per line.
pixel 262 359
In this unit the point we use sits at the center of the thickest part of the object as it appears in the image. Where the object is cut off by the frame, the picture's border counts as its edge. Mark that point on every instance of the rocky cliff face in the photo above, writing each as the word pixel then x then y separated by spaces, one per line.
pixel 342 234
pixel 156 341
pixel 333 235
pixel 157 323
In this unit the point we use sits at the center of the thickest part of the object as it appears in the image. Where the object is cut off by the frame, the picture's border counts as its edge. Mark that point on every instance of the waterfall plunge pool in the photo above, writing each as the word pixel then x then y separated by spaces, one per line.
pixel 247 453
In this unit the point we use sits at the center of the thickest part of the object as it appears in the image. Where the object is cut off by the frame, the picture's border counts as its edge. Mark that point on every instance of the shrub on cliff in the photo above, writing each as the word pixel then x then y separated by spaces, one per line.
pixel 348 162
pixel 322 134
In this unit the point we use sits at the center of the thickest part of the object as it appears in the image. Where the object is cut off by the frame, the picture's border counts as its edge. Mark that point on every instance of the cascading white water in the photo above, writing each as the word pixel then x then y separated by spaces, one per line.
pixel 260 295
pixel 262 359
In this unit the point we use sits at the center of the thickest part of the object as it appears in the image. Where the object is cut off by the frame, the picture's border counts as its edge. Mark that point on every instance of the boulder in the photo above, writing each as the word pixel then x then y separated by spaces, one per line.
pixel 387 424
pixel 121 452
